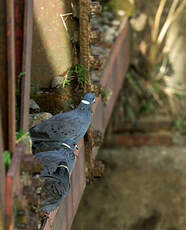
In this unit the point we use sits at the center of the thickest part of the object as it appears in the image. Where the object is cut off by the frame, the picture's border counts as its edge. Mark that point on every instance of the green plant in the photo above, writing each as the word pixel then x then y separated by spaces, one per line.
pixel 130 113
pixel 66 82
pixel 147 107
pixel 21 75
pixel 177 124
pixel 22 136
pixel 150 85
pixel 104 94
pixel 7 160
pixel 80 72
pixel 180 126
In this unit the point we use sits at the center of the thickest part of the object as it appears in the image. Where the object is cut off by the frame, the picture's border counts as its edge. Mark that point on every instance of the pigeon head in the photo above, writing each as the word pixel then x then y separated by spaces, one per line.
pixel 88 99
pixel 71 144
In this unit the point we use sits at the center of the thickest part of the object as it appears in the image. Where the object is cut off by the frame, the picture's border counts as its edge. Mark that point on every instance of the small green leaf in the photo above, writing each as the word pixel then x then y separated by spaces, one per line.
pixel 7 160
pixel 21 74
pixel 134 84
pixel 184 124
pixel 179 96
pixel 20 134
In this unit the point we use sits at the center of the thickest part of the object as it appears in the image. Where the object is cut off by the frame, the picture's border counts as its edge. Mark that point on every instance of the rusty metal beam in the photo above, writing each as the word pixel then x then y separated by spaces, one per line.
pixel 11 75
pixel 26 64
pixel 13 186
pixel 112 79
pixel 19 16
pixel 2 179
pixel 3 74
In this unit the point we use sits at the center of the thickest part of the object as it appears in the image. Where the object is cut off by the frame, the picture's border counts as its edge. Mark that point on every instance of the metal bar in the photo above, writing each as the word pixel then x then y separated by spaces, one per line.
pixel 11 75
pixel 3 71
pixel 13 186
pixel 26 65
pixel 19 16
pixel 2 179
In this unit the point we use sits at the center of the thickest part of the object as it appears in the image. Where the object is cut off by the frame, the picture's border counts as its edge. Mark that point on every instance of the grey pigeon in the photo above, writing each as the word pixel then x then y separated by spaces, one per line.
pixel 61 127
pixel 55 188
pixel 51 160
pixel 57 167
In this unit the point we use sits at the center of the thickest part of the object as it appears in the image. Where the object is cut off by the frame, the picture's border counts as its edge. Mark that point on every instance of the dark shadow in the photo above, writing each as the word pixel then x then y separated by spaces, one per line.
pixel 148 223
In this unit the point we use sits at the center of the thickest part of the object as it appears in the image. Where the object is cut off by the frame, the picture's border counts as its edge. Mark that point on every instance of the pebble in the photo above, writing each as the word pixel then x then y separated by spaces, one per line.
pixel 116 22
pixel 34 107
pixel 121 13
pixel 109 35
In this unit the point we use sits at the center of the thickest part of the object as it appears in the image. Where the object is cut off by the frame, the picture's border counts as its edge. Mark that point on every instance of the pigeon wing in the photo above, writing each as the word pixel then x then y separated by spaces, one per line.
pixel 50 161
pixel 63 129
pixel 56 189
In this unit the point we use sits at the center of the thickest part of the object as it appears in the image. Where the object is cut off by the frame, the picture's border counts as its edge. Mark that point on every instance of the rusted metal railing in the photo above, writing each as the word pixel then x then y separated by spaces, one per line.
pixel 11 75
pixel 14 187
pixel 2 180
pixel 26 64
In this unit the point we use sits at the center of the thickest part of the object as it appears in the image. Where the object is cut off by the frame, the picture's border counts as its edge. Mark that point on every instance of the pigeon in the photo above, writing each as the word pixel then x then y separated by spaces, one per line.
pixel 57 167
pixel 55 188
pixel 48 134
pixel 51 160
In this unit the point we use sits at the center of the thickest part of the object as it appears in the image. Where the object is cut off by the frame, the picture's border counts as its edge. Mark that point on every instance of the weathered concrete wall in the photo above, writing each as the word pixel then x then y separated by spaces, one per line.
pixel 52 54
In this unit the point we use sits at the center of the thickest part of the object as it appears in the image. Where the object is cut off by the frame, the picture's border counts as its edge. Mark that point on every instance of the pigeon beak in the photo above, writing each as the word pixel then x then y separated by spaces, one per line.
pixel 94 100
pixel 77 147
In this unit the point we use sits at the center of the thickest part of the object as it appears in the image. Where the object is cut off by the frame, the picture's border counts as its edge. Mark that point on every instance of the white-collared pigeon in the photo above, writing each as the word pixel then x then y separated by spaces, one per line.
pixel 51 160
pixel 48 134
pixel 55 188
pixel 57 167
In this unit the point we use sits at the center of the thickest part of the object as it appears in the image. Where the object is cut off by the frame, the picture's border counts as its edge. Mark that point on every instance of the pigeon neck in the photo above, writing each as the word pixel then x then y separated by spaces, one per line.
pixel 64 144
pixel 84 105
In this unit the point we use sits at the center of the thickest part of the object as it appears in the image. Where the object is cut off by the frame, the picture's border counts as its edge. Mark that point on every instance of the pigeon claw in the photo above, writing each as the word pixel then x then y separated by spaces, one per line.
pixel 76 153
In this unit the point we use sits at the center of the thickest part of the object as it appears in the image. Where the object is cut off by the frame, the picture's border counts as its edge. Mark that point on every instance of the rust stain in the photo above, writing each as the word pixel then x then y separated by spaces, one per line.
pixel 8 207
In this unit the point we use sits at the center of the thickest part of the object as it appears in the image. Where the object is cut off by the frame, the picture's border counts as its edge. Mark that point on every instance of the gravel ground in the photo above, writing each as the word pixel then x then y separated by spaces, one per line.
pixel 142 189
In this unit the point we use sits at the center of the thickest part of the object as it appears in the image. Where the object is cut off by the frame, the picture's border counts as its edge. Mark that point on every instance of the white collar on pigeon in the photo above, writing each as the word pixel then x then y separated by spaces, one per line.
pixel 64 166
pixel 64 144
pixel 85 102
